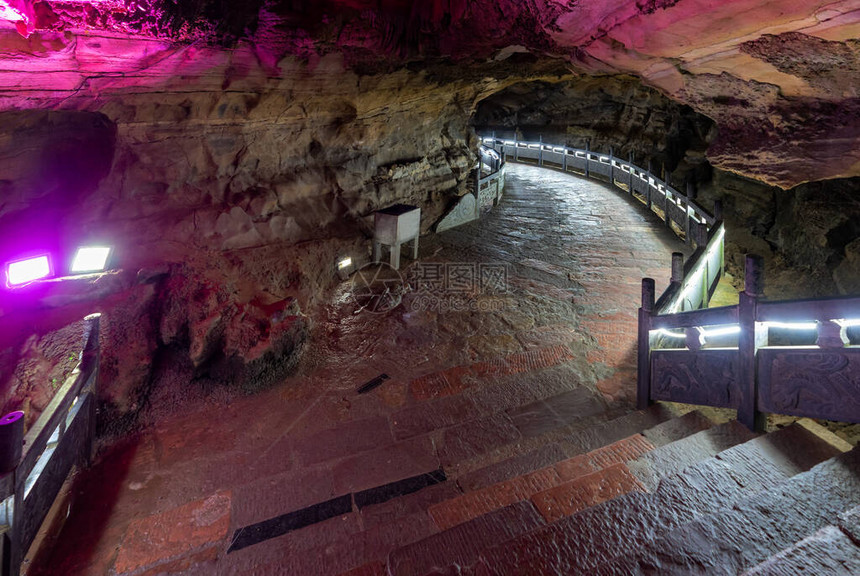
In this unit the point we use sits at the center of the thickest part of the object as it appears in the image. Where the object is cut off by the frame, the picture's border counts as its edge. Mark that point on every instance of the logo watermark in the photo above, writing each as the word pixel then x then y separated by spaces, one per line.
pixel 432 286
pixel 377 288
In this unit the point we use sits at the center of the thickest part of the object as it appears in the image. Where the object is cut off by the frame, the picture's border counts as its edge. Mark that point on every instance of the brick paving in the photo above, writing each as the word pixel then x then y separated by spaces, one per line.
pixel 492 387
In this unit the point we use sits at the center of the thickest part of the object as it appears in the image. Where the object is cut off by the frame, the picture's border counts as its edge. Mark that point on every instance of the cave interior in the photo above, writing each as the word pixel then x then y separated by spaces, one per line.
pixel 350 308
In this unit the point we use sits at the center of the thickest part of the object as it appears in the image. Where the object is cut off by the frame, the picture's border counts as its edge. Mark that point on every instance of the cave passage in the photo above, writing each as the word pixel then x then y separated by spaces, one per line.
pixel 478 372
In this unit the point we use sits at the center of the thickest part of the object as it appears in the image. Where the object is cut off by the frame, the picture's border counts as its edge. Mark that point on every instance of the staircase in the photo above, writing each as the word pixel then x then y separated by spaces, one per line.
pixel 648 494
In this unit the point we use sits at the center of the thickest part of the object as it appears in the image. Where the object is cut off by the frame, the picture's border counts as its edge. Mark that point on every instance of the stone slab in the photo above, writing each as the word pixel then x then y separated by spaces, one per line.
pixel 344 440
pixel 388 464
pixel 619 452
pixel 160 537
pixel 828 552
pixel 585 492
pixel 757 527
pixel 473 504
pixel 674 457
pixel 512 467
pixel 462 544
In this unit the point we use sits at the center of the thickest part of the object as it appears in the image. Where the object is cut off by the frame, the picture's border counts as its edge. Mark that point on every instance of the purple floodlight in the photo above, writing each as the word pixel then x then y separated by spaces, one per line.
pixel 27 270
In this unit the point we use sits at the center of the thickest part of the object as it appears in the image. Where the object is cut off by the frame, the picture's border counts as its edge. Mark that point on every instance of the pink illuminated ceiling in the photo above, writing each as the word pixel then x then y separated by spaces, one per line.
pixel 778 75
pixel 31 15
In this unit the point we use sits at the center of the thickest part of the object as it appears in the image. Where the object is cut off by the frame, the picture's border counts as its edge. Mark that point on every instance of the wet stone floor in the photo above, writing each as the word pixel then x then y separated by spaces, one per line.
pixel 506 335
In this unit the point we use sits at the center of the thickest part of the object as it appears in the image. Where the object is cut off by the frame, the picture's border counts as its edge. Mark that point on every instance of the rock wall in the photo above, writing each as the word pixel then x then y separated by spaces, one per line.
pixel 228 194
pixel 606 112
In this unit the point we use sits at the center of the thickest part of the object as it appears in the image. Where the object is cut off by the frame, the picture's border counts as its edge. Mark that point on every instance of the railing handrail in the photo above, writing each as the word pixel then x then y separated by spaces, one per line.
pixel 752 366
pixel 496 166
pixel 748 371
pixel 774 312
pixel 59 417
pixel 625 166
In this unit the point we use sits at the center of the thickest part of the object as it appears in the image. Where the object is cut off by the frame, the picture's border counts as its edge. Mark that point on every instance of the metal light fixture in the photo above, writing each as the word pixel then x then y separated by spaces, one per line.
pixel 90 259
pixel 28 270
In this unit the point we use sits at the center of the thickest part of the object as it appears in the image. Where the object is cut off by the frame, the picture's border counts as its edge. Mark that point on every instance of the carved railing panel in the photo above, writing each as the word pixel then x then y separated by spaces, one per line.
pixel 464 211
pixel 703 377
pixel 723 357
pixel 817 383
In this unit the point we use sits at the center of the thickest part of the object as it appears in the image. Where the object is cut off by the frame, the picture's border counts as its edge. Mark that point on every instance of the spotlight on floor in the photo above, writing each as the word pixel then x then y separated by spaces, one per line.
pixel 90 259
pixel 345 267
pixel 27 270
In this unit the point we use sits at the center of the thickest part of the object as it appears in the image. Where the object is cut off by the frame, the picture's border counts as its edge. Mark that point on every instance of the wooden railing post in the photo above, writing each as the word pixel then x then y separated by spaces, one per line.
pixel 611 168
pixel 677 267
pixel 564 158
pixel 587 154
pixel 648 186
pixel 691 189
pixel 16 552
pixel 690 194
pixel 630 172
pixel 700 234
pixel 643 377
pixel 540 150
pixel 747 343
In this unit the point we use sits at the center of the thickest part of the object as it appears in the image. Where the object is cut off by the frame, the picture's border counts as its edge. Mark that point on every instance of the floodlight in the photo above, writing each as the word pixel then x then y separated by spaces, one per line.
pixel 346 262
pixel 90 259
pixel 27 270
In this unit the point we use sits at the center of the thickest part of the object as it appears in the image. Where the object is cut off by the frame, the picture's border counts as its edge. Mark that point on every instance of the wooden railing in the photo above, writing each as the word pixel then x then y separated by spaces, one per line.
pixel 61 438
pixel 747 357
pixel 489 183
pixel 679 211
pixel 491 178
pixel 794 357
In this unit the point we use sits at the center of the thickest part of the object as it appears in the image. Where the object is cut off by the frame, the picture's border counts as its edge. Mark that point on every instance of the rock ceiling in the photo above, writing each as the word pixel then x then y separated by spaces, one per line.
pixel 779 77
pixel 232 151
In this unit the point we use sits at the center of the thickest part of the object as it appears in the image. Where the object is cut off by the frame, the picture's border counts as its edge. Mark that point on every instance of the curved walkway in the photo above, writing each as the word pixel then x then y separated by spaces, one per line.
pixel 574 240
pixel 520 328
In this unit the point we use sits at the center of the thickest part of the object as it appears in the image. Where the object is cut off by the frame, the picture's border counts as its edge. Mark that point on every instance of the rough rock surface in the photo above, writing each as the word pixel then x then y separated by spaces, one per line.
pixel 607 112
pixel 244 145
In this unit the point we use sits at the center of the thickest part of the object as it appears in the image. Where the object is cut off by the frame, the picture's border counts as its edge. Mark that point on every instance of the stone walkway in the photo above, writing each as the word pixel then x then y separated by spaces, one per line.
pixel 514 331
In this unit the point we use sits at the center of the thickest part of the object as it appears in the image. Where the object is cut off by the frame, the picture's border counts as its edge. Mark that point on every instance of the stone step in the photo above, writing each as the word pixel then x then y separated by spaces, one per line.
pixel 755 528
pixel 828 552
pixel 675 456
pixel 585 491
pixel 461 544
pixel 526 480
pixel 849 522
pixel 661 428
pixel 577 483
pixel 518 430
pixel 541 486
pixel 581 542
pixel 341 544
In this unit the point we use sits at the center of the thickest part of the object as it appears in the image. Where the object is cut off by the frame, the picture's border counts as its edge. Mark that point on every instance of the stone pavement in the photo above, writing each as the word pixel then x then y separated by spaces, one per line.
pixel 512 355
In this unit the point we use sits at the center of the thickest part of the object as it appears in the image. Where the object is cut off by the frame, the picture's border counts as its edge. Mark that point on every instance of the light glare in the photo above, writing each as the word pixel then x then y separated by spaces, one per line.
pixel 346 262
pixel 90 259
pixel 720 331
pixel 28 270
pixel 792 325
